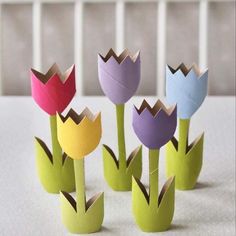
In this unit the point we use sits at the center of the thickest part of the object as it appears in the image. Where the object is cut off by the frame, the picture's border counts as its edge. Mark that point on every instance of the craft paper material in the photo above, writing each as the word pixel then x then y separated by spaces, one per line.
pixel 188 88
pixel 144 122
pixel 147 217
pixel 54 176
pixel 119 77
pixel 153 212
pixel 87 134
pixel 79 135
pixel 53 92
pixel 120 179
pixel 185 165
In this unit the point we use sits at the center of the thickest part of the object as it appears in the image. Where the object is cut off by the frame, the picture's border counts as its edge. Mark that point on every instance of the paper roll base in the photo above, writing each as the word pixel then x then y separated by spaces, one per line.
pixel 54 178
pixel 120 179
pixel 185 167
pixel 76 220
pixel 155 218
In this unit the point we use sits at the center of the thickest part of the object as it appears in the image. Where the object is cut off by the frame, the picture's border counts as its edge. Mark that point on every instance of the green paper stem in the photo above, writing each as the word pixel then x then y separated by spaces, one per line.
pixel 183 135
pixel 184 161
pixel 121 135
pixel 118 171
pixel 80 185
pixel 153 176
pixel 56 148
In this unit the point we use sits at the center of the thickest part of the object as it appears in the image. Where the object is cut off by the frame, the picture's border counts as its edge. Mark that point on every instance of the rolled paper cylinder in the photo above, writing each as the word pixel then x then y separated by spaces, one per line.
pixel 186 166
pixel 154 126
pixel 79 134
pixel 53 91
pixel 186 87
pixel 119 76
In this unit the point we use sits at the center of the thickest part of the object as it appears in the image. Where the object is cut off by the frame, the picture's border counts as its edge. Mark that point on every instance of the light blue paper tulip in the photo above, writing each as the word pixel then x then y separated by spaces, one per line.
pixel 187 88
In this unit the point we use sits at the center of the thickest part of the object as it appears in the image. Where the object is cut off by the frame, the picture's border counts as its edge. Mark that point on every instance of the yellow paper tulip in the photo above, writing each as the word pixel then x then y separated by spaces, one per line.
pixel 79 135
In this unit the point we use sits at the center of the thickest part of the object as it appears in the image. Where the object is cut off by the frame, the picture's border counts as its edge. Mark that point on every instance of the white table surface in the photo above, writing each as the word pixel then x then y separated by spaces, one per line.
pixel 27 210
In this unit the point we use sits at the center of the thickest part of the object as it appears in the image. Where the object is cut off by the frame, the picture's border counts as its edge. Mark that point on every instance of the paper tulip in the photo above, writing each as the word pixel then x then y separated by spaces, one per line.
pixel 79 135
pixel 119 77
pixel 154 127
pixel 146 119
pixel 187 88
pixel 53 92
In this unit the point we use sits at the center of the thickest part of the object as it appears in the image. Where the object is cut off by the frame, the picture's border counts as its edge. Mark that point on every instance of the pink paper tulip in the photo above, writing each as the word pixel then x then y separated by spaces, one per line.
pixel 53 91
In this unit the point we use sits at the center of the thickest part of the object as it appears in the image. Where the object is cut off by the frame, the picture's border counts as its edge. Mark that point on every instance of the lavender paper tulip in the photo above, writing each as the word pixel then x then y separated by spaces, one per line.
pixel 154 126
pixel 119 76
pixel 186 87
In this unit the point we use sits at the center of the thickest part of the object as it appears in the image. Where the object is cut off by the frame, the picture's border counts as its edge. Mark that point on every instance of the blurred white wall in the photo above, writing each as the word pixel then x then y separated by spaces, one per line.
pixel 99 35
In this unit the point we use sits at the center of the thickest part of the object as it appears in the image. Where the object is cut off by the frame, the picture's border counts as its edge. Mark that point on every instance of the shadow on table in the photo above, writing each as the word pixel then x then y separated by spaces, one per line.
pixel 199 185
pixel 203 185
pixel 177 227
pixel 106 230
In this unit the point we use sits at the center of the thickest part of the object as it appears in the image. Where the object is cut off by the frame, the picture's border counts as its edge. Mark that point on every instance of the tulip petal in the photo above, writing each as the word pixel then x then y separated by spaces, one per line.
pixel 154 130
pixel 78 139
pixel 52 93
pixel 119 79
pixel 187 91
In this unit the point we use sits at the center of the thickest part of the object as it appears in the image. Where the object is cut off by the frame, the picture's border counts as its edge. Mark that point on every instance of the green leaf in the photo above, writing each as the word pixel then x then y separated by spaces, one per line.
pixel 185 167
pixel 121 179
pixel 81 222
pixel 151 218
pixel 53 178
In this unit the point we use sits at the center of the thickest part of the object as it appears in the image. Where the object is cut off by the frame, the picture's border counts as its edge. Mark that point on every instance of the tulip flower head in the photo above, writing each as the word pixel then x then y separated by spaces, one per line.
pixel 119 76
pixel 79 135
pixel 53 91
pixel 186 87
pixel 156 125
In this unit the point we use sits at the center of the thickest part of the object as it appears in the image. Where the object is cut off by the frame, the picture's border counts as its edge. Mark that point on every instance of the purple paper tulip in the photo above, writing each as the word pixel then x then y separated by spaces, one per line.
pixel 119 76
pixel 154 126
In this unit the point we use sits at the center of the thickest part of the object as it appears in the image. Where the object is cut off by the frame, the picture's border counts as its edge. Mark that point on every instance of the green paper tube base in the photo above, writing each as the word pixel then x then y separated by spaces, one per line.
pixel 120 179
pixel 153 217
pixel 185 167
pixel 54 178
pixel 82 217
pixel 80 222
